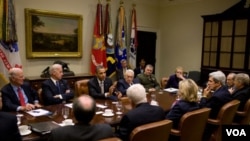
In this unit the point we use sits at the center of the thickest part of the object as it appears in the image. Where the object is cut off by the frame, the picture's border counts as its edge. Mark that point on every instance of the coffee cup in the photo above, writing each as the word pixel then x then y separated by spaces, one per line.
pixel 108 111
pixel 68 122
pixel 23 128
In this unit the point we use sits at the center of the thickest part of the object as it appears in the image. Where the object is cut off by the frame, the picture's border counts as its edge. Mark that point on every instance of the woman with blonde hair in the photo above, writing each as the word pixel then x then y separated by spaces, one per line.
pixel 188 101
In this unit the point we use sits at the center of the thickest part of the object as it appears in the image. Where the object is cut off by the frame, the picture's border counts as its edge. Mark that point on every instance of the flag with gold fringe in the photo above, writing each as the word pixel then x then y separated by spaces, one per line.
pixel 98 53
pixel 9 51
pixel 121 30
pixel 133 39
pixel 109 42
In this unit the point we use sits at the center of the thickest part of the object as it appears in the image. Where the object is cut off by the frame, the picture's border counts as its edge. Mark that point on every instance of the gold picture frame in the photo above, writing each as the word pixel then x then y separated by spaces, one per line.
pixel 52 34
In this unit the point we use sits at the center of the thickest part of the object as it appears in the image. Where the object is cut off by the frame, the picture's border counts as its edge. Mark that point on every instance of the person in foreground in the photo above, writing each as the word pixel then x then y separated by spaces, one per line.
pixel 17 95
pixel 56 90
pixel 215 95
pixel 188 102
pixel 8 129
pixel 143 112
pixel 101 87
pixel 84 111
pixel 174 79
pixel 129 80
pixel 148 79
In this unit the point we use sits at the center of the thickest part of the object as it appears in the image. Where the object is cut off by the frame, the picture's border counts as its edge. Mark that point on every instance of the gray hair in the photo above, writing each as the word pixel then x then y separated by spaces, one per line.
pixel 129 71
pixel 218 76
pixel 54 67
pixel 137 94
pixel 13 72
pixel 242 78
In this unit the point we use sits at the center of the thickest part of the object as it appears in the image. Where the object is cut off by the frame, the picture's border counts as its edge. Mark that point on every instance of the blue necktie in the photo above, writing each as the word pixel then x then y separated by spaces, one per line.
pixel 58 87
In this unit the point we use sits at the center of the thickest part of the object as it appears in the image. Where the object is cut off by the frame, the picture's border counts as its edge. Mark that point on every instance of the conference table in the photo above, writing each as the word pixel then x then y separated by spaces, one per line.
pixel 163 98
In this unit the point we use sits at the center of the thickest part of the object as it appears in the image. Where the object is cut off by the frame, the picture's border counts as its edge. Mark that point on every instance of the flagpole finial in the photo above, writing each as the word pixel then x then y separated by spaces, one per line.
pixel 134 5
pixel 121 2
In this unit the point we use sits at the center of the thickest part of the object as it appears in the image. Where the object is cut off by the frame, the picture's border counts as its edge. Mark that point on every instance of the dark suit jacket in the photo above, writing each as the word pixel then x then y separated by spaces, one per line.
pixel 138 70
pixel 10 99
pixel 8 129
pixel 242 95
pixel 143 113
pixel 122 85
pixel 49 89
pixel 173 82
pixel 148 82
pixel 218 99
pixel 179 109
pixel 95 89
pixel 80 132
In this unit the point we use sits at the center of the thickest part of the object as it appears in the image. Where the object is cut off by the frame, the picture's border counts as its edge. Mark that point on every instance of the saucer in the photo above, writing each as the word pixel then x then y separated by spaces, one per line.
pixel 108 115
pixel 25 132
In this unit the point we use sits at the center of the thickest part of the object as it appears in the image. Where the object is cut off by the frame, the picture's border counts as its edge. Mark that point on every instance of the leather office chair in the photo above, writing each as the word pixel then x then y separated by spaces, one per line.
pixel 81 87
pixel 3 80
pixel 39 92
pixel 155 131
pixel 243 117
pixel 224 117
pixel 111 139
pixel 164 81
pixel 194 75
pixel 126 102
pixel 192 125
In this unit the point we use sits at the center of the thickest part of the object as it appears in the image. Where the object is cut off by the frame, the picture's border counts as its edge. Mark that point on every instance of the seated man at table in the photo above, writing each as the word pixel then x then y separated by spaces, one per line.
pixel 124 84
pixel 215 95
pixel 84 109
pixel 101 87
pixel 56 90
pixel 174 79
pixel 8 129
pixel 17 95
pixel 120 72
pixel 143 112
pixel 230 82
pixel 140 68
pixel 148 80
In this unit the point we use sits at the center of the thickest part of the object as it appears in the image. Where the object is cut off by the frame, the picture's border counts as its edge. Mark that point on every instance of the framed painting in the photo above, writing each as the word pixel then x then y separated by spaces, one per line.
pixel 53 34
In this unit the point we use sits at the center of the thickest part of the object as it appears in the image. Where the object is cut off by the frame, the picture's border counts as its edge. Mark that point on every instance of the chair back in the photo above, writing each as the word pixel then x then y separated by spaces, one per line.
pixel 3 80
pixel 81 87
pixel 111 139
pixel 164 81
pixel 194 75
pixel 244 116
pixel 224 117
pixel 192 125
pixel 155 131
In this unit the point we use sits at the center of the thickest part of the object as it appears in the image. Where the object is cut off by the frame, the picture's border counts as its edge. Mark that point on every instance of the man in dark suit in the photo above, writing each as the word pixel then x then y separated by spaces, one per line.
pixel 140 68
pixel 84 110
pixel 120 72
pixel 148 80
pixel 56 90
pixel 124 84
pixel 8 129
pixel 215 95
pixel 143 112
pixel 101 87
pixel 18 96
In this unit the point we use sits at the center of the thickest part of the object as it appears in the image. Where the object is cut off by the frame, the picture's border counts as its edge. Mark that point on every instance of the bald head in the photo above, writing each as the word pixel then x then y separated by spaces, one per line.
pixel 16 76
pixel 84 108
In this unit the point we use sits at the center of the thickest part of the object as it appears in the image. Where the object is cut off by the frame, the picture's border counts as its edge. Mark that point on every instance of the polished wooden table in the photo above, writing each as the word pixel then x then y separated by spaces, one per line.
pixel 164 100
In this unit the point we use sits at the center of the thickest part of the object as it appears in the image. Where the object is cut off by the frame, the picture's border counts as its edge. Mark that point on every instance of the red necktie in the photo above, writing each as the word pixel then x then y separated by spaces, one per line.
pixel 20 95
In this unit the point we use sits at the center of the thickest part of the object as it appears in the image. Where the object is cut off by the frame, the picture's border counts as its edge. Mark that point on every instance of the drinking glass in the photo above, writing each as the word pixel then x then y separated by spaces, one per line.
pixel 65 113
pixel 119 108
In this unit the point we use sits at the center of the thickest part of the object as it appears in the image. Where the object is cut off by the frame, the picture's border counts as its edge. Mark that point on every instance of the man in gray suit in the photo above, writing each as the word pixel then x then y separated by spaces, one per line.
pixel 84 110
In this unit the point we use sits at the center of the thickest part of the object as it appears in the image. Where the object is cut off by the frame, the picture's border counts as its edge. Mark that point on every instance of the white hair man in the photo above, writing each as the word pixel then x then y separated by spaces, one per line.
pixel 142 113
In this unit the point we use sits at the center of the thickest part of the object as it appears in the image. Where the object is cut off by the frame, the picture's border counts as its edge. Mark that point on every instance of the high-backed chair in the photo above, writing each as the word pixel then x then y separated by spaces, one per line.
pixel 164 81
pixel 192 125
pixel 243 117
pixel 3 80
pixel 81 87
pixel 194 75
pixel 111 139
pixel 224 117
pixel 155 131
